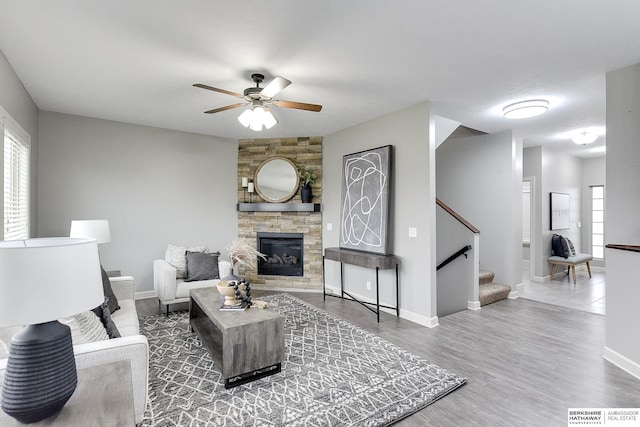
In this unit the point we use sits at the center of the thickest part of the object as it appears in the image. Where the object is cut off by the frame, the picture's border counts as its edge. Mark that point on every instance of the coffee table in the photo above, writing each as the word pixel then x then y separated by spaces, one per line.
pixel 247 344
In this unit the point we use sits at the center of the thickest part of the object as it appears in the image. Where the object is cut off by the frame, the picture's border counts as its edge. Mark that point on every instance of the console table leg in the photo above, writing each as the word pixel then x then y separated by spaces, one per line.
pixel 397 294
pixel 324 293
pixel 341 282
pixel 377 295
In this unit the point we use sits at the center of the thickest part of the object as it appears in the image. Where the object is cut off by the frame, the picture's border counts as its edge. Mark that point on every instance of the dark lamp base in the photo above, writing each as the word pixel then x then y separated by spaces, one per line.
pixel 41 372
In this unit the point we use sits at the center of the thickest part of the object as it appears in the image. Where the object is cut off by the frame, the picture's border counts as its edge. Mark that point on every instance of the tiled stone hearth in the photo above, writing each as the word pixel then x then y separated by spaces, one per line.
pixel 302 151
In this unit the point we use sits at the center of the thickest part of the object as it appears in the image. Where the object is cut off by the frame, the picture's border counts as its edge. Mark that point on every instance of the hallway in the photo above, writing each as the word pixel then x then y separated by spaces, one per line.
pixel 588 294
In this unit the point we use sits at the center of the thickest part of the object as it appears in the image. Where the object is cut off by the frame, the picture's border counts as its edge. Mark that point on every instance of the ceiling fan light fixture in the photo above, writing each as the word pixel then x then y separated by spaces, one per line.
pixel 526 109
pixel 584 138
pixel 257 116
pixel 246 118
pixel 269 120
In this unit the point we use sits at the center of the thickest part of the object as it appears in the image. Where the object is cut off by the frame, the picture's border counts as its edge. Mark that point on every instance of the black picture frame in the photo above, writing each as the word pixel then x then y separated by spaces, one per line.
pixel 559 211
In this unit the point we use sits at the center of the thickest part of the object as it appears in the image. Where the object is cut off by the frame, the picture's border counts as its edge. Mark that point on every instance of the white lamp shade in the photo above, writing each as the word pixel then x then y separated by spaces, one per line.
pixel 92 229
pixel 47 279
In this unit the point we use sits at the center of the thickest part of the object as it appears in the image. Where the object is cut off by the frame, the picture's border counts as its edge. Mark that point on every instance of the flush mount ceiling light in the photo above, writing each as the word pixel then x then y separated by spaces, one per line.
pixel 584 138
pixel 257 116
pixel 525 109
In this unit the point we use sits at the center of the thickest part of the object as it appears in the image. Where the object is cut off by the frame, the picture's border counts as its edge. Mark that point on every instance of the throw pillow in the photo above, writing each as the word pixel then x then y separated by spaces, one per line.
pixel 91 328
pixel 572 249
pixel 102 311
pixel 202 266
pixel 108 292
pixel 177 257
pixel 559 247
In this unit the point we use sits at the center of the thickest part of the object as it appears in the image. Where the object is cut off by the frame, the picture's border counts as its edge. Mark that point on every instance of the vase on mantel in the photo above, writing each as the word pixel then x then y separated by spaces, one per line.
pixel 305 193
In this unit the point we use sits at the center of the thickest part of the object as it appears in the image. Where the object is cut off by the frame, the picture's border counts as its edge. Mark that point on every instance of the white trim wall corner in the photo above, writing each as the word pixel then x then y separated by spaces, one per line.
pixel 16 159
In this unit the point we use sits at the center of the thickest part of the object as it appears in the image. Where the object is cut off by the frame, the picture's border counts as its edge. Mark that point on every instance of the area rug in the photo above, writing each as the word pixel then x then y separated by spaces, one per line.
pixel 333 374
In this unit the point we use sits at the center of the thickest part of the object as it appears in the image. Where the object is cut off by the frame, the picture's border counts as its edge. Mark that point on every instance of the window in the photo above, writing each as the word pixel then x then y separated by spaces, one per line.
pixel 16 179
pixel 597 221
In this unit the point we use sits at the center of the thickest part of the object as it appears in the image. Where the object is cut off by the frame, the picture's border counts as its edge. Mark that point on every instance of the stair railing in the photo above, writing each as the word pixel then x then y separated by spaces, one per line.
pixel 460 252
pixel 631 248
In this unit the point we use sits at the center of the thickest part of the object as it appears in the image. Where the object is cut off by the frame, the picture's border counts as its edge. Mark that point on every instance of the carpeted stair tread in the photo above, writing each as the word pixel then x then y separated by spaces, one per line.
pixel 492 292
pixel 486 277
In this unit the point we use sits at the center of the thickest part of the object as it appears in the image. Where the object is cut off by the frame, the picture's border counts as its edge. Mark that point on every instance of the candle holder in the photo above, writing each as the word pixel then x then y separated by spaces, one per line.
pixel 245 184
pixel 250 189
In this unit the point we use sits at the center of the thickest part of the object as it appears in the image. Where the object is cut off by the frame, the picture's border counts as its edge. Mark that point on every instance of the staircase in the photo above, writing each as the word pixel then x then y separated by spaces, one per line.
pixel 491 292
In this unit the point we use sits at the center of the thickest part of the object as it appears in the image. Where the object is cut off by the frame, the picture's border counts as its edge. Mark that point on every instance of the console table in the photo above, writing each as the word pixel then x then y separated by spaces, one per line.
pixel 362 259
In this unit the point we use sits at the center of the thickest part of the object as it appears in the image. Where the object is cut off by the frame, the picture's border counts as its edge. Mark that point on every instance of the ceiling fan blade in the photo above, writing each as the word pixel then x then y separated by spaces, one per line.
pixel 298 105
pixel 228 107
pixel 274 87
pixel 215 89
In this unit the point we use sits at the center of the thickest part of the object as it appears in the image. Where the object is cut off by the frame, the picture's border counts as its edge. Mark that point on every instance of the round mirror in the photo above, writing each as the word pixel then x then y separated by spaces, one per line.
pixel 277 180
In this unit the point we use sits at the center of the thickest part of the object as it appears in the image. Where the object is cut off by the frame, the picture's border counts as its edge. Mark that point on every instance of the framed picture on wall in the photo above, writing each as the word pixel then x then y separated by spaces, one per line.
pixel 559 207
pixel 366 180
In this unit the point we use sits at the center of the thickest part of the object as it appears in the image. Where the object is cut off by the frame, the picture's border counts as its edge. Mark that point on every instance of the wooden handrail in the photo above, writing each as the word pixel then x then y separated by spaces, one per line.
pixel 631 248
pixel 457 216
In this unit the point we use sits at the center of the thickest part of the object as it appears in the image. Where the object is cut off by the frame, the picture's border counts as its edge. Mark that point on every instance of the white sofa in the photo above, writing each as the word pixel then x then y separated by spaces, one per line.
pixel 173 291
pixel 131 346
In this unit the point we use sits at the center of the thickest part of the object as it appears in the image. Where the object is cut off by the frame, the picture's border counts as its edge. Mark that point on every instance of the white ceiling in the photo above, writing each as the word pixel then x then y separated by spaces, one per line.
pixel 135 61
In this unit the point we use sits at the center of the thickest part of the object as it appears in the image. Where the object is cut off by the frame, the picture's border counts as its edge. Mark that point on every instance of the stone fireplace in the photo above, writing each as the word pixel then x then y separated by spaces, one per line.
pixel 302 151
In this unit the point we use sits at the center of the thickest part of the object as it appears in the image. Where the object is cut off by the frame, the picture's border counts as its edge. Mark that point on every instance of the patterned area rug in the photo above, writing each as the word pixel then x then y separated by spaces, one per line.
pixel 334 374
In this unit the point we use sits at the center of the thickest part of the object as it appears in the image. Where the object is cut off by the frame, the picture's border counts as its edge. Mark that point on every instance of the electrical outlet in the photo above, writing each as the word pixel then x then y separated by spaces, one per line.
pixel 413 232
pixel 368 285
pixel 329 226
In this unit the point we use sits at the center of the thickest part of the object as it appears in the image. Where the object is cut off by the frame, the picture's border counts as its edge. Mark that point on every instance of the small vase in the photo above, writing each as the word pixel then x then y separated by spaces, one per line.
pixel 306 194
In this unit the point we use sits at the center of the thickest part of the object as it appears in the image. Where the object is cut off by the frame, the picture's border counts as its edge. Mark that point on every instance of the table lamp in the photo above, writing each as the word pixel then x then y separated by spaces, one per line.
pixel 91 228
pixel 42 280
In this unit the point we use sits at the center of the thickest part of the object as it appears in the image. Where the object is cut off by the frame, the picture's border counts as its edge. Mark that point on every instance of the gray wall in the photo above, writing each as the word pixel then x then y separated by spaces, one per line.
pixel 621 221
pixel 16 101
pixel 480 178
pixel 413 202
pixel 155 186
pixel 593 173
pixel 455 280
pixel 555 172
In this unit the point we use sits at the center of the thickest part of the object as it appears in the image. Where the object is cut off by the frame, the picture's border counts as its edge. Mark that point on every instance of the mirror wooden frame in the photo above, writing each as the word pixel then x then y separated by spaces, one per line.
pixel 294 185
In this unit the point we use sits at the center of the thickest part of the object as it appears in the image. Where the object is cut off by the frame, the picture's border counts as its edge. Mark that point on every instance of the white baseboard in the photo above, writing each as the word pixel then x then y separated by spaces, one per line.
pixel 514 294
pixel 622 362
pixel 541 279
pixel 404 314
pixel 598 269
pixel 473 305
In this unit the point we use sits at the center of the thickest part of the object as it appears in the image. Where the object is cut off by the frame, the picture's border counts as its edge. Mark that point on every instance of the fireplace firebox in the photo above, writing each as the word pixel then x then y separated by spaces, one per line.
pixel 284 251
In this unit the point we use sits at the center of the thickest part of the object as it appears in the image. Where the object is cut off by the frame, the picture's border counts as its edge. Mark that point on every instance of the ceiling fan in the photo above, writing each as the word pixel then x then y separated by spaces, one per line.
pixel 259 99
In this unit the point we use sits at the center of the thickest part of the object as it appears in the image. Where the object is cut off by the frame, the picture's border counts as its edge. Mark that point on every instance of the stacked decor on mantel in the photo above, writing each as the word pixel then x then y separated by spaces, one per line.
pixel 302 151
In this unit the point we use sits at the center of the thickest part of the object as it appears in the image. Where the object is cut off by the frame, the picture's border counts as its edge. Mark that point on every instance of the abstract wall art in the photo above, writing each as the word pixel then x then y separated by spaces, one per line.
pixel 366 181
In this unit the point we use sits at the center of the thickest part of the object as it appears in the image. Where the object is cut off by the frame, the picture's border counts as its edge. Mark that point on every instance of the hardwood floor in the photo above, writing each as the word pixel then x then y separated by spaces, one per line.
pixel 526 362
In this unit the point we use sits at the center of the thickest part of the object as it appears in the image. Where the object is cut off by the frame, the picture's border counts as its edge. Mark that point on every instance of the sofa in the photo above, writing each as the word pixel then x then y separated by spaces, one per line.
pixel 131 346
pixel 173 290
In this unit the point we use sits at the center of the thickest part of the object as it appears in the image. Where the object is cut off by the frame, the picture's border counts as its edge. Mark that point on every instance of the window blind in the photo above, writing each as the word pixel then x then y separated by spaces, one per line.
pixel 16 181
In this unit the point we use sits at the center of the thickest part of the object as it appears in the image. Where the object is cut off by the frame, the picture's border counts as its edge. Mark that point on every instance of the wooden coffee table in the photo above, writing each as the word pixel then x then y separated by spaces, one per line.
pixel 247 344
